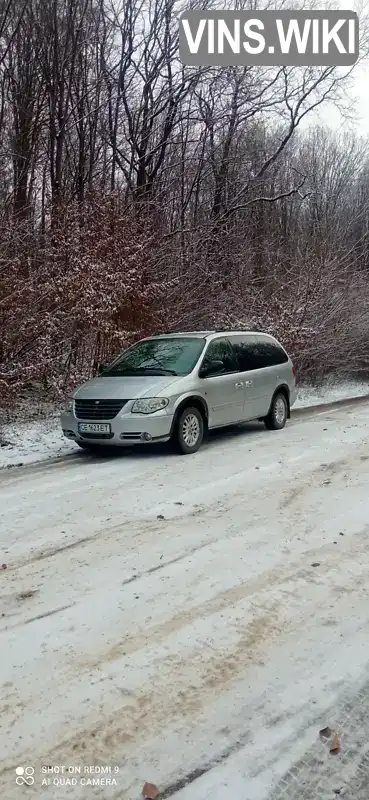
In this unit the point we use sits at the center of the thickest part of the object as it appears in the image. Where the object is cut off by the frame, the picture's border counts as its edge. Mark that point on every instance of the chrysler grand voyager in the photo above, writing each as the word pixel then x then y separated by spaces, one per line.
pixel 177 386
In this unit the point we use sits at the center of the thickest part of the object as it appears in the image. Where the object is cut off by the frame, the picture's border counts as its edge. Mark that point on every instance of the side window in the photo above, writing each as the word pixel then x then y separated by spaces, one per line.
pixel 221 350
pixel 253 353
pixel 270 354
pixel 244 349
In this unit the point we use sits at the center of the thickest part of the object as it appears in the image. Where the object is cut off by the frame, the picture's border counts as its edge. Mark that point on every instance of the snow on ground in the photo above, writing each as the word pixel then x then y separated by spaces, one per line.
pixel 192 621
pixel 26 443
pixel 330 391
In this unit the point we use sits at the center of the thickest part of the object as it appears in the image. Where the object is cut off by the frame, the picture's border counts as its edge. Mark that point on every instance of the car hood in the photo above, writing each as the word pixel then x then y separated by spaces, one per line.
pixel 125 387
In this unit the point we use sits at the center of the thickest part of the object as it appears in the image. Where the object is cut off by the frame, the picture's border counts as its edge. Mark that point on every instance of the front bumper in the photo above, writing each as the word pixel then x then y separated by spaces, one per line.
pixel 127 429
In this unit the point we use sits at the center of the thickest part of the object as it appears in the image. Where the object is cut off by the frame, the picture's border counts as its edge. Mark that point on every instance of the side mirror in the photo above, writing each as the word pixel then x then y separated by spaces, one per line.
pixel 211 368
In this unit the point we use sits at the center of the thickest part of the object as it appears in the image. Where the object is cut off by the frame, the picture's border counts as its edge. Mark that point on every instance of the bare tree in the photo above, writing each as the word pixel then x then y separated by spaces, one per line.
pixel 198 193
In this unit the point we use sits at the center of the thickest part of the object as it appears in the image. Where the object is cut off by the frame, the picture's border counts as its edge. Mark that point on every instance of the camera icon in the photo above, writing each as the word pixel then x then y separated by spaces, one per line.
pixel 24 775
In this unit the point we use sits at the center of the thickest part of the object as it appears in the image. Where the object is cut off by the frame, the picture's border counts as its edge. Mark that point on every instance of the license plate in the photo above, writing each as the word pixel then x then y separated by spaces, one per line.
pixel 94 427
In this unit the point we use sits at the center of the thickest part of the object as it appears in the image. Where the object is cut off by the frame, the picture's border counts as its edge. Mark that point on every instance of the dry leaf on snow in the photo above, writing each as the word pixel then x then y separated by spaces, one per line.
pixel 335 745
pixel 149 791
pixel 325 733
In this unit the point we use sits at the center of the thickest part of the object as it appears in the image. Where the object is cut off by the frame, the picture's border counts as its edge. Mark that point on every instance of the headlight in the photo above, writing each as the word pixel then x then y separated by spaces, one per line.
pixel 149 405
pixel 69 404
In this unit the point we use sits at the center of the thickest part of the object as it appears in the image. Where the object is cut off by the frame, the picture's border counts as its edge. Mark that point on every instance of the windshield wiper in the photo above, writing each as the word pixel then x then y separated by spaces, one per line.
pixel 140 371
pixel 118 372
pixel 159 371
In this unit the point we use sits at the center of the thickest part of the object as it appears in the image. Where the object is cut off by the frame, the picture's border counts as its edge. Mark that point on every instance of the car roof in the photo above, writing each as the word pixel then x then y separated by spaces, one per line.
pixel 212 334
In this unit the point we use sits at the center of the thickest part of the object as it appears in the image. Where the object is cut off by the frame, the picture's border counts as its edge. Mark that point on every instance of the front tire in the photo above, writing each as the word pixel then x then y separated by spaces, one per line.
pixel 278 413
pixel 88 448
pixel 189 432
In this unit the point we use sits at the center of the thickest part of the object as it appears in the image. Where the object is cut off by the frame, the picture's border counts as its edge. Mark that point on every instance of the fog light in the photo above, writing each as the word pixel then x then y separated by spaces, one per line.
pixel 147 436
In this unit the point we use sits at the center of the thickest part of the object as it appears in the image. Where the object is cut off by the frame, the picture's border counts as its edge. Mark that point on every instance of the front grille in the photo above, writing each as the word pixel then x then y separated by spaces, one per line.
pixel 98 409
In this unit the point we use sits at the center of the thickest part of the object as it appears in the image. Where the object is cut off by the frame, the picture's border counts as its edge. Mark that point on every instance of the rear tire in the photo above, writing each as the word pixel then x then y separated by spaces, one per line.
pixel 189 432
pixel 278 413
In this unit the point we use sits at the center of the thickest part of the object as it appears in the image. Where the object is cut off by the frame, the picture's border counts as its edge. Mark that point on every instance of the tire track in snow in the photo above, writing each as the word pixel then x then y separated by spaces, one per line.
pixel 284 574
pixel 145 713
pixel 187 679
pixel 141 527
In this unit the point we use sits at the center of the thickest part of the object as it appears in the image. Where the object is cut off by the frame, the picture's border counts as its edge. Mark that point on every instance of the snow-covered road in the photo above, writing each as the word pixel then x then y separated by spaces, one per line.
pixel 162 614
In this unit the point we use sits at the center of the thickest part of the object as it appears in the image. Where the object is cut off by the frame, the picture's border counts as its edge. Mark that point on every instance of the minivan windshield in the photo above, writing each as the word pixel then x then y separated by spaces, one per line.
pixel 164 356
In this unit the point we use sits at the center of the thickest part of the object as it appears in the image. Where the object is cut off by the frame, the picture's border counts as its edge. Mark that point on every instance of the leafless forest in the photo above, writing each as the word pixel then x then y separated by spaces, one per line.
pixel 137 196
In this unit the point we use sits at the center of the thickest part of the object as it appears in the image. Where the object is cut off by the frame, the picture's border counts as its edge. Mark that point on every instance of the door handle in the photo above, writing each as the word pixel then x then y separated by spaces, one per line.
pixel 239 385
pixel 248 383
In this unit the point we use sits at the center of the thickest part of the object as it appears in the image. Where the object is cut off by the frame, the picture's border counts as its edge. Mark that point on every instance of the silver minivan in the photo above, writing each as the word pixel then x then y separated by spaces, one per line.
pixel 177 386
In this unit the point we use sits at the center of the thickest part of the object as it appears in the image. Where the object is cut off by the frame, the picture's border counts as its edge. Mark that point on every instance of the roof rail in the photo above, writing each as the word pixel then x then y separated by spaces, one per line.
pixel 252 329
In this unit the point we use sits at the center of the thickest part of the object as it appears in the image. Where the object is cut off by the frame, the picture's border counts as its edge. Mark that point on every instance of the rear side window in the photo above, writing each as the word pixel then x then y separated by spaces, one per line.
pixel 253 353
pixel 270 354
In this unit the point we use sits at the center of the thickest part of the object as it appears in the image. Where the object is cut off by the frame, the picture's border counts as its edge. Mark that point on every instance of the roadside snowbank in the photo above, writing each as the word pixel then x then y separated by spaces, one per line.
pixel 26 443
pixel 330 391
